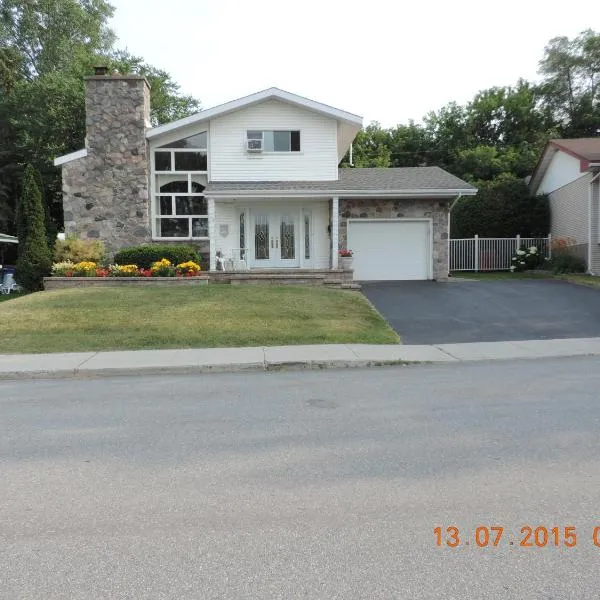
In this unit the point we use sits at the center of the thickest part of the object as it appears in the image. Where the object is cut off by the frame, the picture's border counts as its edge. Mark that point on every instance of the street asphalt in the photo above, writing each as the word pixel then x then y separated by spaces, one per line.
pixel 311 484
pixel 461 311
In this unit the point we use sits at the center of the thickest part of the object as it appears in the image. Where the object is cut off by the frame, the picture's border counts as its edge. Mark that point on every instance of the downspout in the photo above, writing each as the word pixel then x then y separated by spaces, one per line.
pixel 590 212
pixel 351 162
pixel 449 240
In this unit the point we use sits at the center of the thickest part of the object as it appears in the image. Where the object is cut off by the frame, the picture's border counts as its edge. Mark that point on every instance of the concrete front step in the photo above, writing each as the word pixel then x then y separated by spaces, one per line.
pixel 329 277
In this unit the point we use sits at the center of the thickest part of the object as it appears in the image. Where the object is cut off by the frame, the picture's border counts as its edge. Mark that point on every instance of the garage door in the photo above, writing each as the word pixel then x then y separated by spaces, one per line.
pixel 390 249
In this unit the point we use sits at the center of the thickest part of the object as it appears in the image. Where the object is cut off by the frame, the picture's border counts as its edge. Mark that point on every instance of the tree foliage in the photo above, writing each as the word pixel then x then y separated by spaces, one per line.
pixel 46 49
pixel 35 260
pixel 502 208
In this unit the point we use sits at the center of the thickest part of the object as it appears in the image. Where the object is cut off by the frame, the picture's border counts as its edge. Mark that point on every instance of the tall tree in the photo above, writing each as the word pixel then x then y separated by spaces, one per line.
pixel 570 72
pixel 42 64
pixel 34 260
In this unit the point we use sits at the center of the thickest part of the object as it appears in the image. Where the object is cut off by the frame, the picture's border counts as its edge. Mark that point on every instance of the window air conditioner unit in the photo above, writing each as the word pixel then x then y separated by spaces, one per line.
pixel 254 145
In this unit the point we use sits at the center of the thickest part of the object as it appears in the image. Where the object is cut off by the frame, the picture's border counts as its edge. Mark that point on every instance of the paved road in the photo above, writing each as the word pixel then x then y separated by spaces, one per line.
pixel 426 312
pixel 316 485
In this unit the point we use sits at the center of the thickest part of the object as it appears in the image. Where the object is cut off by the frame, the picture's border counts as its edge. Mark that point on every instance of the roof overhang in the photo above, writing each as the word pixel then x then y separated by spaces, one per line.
pixel 269 94
pixel 65 158
pixel 420 193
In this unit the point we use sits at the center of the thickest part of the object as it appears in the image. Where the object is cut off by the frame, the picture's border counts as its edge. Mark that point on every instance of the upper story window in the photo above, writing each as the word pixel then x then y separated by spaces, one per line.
pixel 188 154
pixel 272 141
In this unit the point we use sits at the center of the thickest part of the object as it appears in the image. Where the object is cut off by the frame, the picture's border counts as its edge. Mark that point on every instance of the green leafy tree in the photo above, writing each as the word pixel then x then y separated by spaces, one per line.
pixel 571 76
pixel 35 260
pixel 501 208
pixel 46 49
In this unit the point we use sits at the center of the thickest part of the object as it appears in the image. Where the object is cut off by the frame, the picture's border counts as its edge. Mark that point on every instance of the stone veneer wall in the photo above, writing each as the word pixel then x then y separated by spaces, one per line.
pixel 105 194
pixel 435 209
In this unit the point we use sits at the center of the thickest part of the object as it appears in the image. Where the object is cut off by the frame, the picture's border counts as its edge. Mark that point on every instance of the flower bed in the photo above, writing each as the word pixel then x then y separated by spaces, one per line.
pixel 68 274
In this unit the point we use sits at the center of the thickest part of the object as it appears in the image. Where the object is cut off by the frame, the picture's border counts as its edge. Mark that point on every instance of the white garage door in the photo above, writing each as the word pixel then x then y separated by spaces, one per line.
pixel 390 249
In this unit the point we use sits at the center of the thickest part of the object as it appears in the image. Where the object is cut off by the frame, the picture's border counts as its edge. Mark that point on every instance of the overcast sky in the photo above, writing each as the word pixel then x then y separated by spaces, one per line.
pixel 388 61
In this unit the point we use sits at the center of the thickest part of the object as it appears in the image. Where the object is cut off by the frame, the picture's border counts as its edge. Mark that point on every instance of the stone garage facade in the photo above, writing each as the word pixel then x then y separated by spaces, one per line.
pixel 253 183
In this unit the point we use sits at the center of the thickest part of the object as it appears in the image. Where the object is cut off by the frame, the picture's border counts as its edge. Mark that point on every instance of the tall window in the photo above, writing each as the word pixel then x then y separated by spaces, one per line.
pixel 180 171
pixel 273 141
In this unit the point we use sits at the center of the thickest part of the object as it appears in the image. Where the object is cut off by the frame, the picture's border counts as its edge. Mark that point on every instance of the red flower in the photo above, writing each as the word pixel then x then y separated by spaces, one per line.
pixel 69 273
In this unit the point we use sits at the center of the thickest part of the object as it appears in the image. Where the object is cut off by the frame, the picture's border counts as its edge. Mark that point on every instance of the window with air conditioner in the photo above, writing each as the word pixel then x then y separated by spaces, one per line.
pixel 273 141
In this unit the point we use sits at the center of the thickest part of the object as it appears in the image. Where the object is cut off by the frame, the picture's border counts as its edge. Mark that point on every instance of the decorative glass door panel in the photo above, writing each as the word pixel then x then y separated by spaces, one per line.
pixel 275 238
pixel 262 239
pixel 287 237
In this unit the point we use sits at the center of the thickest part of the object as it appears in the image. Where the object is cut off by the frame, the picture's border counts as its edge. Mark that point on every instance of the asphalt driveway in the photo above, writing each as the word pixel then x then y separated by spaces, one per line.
pixel 428 312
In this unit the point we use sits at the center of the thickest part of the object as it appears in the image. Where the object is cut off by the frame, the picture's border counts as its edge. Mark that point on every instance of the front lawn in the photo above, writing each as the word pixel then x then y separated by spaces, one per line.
pixel 83 319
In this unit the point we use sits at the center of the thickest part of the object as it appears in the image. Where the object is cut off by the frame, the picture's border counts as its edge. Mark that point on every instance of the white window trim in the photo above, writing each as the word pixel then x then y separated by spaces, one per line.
pixel 155 215
pixel 274 152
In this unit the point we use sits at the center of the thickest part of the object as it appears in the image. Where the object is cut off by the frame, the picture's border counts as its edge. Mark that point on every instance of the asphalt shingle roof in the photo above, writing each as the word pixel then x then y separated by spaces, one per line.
pixel 586 148
pixel 367 180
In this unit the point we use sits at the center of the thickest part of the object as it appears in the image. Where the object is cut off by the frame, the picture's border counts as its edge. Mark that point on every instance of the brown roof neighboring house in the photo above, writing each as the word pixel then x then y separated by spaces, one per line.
pixel 582 148
pixel 586 150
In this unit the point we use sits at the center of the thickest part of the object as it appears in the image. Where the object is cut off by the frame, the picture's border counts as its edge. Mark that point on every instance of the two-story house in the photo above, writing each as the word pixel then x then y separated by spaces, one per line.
pixel 254 179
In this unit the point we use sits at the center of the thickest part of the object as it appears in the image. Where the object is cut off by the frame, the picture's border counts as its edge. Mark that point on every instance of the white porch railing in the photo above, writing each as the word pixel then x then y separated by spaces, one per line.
pixel 492 254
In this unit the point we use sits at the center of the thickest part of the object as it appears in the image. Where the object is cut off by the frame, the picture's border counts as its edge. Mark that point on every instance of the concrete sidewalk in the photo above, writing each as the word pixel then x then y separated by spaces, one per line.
pixel 143 362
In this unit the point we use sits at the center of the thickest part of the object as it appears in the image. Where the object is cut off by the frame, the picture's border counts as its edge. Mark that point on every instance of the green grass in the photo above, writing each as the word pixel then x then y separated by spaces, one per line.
pixel 588 280
pixel 499 275
pixel 5 297
pixel 187 317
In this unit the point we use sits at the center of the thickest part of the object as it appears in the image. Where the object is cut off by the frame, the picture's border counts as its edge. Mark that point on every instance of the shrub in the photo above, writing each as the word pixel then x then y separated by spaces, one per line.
pixel 147 254
pixel 163 268
pixel 502 208
pixel 60 269
pixel 35 260
pixel 526 258
pixel 565 262
pixel 84 269
pixel 76 250
pixel 189 268
pixel 124 271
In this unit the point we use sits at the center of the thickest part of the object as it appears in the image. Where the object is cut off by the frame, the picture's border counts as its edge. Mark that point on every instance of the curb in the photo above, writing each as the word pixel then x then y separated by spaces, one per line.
pixel 267 367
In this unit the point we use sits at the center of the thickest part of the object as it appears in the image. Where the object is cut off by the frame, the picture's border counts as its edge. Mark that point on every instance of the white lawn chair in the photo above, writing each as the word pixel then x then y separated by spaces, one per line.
pixel 9 284
pixel 238 259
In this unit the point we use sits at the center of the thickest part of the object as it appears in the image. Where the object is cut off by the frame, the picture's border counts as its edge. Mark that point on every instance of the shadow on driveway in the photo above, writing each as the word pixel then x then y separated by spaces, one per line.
pixel 428 312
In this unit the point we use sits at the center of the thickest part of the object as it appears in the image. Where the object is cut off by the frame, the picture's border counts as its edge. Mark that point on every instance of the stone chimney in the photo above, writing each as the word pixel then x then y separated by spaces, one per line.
pixel 105 194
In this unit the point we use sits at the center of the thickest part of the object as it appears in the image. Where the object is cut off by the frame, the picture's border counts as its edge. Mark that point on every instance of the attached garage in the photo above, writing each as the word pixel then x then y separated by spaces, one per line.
pixel 391 249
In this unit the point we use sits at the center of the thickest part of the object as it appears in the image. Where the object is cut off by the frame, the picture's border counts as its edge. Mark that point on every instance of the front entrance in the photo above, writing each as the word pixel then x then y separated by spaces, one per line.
pixel 274 238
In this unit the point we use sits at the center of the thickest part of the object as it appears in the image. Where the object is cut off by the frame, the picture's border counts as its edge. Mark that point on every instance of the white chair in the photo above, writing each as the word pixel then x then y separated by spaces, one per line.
pixel 9 284
pixel 237 259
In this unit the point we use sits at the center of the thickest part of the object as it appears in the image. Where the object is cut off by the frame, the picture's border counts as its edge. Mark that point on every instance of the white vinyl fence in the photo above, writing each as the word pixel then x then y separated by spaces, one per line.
pixel 492 254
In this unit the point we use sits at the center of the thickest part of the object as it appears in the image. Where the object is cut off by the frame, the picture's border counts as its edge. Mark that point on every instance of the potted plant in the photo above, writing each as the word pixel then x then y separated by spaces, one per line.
pixel 346 259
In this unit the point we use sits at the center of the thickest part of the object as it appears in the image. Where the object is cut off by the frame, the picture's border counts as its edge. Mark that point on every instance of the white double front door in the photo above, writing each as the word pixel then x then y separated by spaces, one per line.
pixel 274 238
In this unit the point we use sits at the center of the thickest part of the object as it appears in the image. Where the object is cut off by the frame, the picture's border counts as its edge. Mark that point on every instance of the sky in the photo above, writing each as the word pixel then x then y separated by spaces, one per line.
pixel 388 61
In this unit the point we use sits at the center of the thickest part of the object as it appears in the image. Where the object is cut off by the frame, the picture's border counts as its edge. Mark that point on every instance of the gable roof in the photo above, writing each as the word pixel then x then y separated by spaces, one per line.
pixel 368 182
pixel 586 150
pixel 272 93
pixel 582 148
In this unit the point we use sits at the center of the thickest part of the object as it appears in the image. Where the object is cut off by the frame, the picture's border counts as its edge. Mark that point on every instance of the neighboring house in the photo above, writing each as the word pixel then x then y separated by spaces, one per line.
pixel 568 171
pixel 256 177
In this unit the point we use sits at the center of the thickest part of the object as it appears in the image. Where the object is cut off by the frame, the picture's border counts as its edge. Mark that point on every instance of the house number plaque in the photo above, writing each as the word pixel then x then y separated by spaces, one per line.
pixel 224 230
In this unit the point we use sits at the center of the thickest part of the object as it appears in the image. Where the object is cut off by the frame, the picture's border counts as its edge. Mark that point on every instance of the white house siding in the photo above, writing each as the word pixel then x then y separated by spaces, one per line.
pixel 320 236
pixel 226 216
pixel 562 170
pixel 569 210
pixel 594 266
pixel 317 159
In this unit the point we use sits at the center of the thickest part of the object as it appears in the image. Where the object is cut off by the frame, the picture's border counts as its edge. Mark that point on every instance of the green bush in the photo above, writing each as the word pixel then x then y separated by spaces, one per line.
pixel 75 250
pixel 502 208
pixel 565 262
pixel 145 255
pixel 35 260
